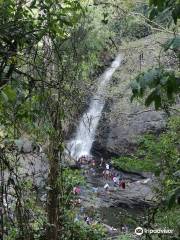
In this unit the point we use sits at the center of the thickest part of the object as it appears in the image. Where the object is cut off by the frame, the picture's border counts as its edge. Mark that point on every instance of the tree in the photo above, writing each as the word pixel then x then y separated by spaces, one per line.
pixel 29 79
pixel 161 85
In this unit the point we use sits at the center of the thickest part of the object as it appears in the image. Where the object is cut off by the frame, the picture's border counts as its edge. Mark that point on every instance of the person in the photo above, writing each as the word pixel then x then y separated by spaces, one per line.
pixel 92 171
pixel 115 180
pixel 79 161
pixel 106 186
pixel 83 160
pixel 101 162
pixel 122 184
pixel 76 190
pixel 106 174
pixel 78 201
pixel 107 166
pixel 124 228
pixel 87 220
pixel 93 163
pixel 95 189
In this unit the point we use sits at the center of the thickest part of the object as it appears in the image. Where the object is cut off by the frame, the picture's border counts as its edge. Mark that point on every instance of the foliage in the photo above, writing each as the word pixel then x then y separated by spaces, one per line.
pixel 127 23
pixel 160 155
pixel 165 5
pixel 161 85
pixel 133 163
pixel 75 229
pixel 125 237
pixel 80 230
pixel 24 26
pixel 169 219
pixel 48 51
pixel 137 29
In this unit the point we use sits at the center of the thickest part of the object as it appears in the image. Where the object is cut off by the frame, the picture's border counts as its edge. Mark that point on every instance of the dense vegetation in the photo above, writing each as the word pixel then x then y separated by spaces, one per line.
pixel 50 55
pixel 160 155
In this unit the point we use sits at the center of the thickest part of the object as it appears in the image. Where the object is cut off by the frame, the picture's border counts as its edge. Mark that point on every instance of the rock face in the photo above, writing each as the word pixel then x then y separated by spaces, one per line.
pixel 138 194
pixel 120 136
pixel 32 161
pixel 122 121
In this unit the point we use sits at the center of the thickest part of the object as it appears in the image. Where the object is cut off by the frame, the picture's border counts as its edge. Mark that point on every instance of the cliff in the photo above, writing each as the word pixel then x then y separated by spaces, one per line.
pixel 122 121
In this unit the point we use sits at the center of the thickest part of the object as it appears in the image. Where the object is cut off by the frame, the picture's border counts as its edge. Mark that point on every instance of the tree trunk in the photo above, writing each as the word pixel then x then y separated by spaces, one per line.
pixel 52 208
pixel 53 229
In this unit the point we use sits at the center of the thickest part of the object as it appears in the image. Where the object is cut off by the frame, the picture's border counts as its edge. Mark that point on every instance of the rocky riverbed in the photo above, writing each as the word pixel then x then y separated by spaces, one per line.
pixel 118 208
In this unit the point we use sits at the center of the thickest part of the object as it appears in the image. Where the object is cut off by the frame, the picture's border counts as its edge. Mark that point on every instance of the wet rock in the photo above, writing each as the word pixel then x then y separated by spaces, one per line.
pixel 137 194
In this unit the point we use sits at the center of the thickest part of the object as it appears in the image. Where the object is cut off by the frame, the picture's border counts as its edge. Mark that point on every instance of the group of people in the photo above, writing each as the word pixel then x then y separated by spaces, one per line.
pixel 90 166
pixel 107 173
pixel 86 160
pixel 117 179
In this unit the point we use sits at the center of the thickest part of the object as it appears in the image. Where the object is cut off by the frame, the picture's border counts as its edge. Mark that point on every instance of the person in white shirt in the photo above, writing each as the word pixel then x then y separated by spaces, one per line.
pixel 107 166
pixel 106 186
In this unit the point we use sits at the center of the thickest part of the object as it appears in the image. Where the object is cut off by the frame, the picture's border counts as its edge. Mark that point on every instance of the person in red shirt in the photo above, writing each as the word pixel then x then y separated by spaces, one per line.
pixel 122 184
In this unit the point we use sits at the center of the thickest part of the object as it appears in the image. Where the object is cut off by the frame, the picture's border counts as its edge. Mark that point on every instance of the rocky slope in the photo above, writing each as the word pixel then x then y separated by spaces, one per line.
pixel 122 121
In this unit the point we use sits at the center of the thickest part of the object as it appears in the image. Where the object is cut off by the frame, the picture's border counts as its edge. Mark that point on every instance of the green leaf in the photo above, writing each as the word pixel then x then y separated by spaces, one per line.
pixel 4 96
pixel 153 97
pixel 10 93
pixel 176 13
pixel 33 3
pixel 173 44
pixel 171 200
pixel 158 3
pixel 152 13
pixel 171 86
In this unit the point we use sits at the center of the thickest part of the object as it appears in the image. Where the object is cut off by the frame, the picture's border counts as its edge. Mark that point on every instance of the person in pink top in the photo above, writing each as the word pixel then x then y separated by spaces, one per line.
pixel 76 190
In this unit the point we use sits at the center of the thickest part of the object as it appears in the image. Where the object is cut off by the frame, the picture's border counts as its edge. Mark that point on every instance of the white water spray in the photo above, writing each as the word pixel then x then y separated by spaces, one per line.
pixel 82 142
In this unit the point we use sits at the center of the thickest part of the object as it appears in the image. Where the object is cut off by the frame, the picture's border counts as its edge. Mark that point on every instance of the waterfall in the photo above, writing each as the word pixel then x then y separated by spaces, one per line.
pixel 82 142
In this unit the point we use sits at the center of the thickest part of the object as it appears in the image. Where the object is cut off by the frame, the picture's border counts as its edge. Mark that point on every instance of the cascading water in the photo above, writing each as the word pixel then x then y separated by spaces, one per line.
pixel 82 142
